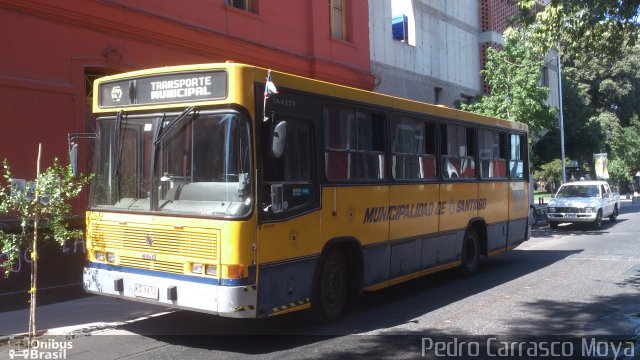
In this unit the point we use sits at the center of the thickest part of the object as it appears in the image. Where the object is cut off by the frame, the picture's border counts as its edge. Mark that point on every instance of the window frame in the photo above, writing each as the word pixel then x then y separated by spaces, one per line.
pixel 502 149
pixel 313 202
pixel 349 150
pixel 471 154
pixel 523 152
pixel 393 135
pixel 344 35
pixel 248 5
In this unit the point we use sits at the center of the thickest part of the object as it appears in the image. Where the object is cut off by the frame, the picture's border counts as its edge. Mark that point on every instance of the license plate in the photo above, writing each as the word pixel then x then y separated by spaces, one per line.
pixel 571 215
pixel 146 291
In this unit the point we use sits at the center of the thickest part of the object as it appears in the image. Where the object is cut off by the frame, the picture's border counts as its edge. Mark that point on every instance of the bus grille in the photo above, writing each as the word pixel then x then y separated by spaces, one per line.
pixel 165 266
pixel 186 243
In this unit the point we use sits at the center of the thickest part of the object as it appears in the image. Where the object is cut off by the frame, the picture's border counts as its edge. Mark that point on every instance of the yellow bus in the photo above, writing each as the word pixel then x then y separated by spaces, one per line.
pixel 217 190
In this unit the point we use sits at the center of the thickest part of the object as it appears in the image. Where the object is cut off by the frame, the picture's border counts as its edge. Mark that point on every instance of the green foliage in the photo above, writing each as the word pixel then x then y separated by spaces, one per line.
pixel 601 76
pixel 584 28
pixel 514 76
pixel 55 186
pixel 551 172
pixel 626 144
pixel 619 171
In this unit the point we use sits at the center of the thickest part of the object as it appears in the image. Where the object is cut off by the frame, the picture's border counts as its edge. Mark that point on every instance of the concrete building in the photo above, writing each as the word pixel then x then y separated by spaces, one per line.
pixel 439 57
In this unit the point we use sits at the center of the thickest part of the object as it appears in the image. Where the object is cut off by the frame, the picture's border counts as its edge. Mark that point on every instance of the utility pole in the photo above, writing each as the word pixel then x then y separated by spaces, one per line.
pixel 564 171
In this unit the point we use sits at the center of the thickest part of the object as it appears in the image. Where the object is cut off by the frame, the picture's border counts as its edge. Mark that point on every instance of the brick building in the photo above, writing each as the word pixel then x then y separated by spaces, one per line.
pixel 52 51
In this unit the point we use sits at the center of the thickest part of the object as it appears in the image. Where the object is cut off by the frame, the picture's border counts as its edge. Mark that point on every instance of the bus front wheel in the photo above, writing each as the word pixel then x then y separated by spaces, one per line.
pixel 330 292
pixel 470 252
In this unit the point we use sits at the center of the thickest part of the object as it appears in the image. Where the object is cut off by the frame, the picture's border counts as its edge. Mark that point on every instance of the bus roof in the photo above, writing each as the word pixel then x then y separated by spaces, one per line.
pixel 285 80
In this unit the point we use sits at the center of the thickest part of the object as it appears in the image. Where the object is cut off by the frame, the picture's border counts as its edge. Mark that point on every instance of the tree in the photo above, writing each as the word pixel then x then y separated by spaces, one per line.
pixel 626 145
pixel 619 171
pixel 44 212
pixel 514 76
pixel 551 173
pixel 584 28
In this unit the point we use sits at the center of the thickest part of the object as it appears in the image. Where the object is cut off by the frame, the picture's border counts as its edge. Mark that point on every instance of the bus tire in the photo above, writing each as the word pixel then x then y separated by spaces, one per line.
pixel 470 252
pixel 330 290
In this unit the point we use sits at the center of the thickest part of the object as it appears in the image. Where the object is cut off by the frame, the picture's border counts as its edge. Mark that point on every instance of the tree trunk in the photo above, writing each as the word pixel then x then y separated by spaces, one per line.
pixel 34 258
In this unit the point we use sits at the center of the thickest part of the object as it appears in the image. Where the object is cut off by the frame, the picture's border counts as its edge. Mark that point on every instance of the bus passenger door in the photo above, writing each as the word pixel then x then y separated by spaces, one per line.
pixel 289 220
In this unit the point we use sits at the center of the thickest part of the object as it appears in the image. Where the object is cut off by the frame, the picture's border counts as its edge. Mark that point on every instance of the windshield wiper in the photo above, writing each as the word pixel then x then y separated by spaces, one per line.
pixel 120 141
pixel 174 123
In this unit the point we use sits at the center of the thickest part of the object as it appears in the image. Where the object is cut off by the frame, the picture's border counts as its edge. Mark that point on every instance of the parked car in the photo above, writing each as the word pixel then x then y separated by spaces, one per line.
pixel 583 202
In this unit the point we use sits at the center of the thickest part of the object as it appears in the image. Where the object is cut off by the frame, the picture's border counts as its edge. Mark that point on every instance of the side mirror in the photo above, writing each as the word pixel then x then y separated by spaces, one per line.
pixel 73 159
pixel 278 139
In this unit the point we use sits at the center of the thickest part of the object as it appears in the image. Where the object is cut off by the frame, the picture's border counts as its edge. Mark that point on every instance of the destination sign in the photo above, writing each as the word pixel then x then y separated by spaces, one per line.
pixel 162 89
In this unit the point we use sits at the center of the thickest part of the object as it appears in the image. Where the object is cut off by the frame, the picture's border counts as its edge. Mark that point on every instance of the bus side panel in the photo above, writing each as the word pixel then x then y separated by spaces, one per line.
pixel 355 212
pixel 458 204
pixel 361 213
pixel 287 253
pixel 376 264
pixel 285 285
pixel 495 213
pixel 415 217
pixel 518 212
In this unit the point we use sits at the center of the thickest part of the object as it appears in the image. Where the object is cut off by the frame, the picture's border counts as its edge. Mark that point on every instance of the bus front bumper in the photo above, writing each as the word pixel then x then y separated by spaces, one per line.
pixel 178 291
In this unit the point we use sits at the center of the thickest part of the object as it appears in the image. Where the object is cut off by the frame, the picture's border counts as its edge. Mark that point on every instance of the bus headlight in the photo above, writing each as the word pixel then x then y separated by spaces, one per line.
pixel 210 270
pixel 196 268
pixel 100 255
pixel 111 257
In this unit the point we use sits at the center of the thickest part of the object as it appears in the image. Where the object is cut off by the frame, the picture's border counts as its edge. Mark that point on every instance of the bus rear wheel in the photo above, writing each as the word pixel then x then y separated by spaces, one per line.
pixel 330 292
pixel 470 252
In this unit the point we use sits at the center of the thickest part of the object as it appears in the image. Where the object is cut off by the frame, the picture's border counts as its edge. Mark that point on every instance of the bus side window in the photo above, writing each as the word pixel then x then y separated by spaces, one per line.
pixel 413 148
pixel 517 154
pixel 493 162
pixel 290 175
pixel 458 149
pixel 354 143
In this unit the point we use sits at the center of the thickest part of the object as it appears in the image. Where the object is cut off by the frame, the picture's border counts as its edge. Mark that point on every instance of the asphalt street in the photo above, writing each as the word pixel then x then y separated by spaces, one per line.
pixel 572 282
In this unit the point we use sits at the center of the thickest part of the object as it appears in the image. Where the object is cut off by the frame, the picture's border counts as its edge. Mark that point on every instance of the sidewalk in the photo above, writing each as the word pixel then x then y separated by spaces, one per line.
pixel 79 316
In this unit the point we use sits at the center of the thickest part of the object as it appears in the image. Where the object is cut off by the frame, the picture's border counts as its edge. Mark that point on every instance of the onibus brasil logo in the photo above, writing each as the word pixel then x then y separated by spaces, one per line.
pixel 38 349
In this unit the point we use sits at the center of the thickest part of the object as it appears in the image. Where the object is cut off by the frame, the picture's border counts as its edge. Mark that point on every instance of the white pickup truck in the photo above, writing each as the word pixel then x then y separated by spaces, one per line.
pixel 583 202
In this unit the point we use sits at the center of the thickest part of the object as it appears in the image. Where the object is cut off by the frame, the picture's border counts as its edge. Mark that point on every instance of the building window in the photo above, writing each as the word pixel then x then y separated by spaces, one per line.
pixel 466 99
pixel 338 19
pixel 246 5
pixel 437 95
pixel 544 78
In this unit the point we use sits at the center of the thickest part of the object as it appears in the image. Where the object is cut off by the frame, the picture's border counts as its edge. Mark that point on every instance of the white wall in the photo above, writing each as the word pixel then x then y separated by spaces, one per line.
pixel 446 52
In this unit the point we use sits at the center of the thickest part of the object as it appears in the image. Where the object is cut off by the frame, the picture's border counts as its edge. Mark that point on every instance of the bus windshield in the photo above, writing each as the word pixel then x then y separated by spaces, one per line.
pixel 198 164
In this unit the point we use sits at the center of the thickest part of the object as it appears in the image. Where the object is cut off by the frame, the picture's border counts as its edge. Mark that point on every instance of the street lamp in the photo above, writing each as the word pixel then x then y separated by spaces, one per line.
pixel 564 172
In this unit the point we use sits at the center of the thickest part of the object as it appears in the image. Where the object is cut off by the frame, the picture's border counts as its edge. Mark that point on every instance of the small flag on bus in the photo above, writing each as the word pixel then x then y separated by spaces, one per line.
pixel 269 87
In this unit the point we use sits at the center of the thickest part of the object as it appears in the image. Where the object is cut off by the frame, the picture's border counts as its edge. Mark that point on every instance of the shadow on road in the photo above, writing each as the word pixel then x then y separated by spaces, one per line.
pixel 390 307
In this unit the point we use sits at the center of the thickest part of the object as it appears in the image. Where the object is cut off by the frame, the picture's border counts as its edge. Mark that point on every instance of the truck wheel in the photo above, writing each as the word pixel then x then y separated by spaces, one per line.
pixel 597 223
pixel 470 253
pixel 614 214
pixel 330 291
pixel 553 224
